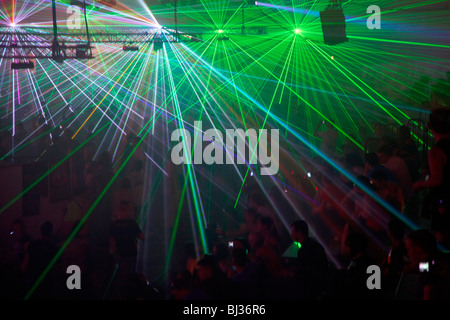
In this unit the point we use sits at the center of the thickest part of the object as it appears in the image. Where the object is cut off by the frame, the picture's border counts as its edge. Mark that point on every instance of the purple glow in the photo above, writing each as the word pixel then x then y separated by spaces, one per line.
pixel 18 88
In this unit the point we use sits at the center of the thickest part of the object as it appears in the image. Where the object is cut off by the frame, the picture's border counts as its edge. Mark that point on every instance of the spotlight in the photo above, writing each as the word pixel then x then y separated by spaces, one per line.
pixel 221 35
pixel 22 65
pixel 298 31
pixel 130 48
pixel 13 25
pixel 82 51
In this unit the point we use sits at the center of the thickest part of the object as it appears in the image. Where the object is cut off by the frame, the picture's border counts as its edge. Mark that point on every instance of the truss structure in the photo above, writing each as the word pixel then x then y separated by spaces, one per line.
pixel 39 43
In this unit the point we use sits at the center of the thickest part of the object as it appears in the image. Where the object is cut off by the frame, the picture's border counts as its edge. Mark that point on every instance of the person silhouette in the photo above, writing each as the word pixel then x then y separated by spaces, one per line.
pixel 436 204
pixel 328 137
pixel 40 255
pixel 426 275
pixel 312 269
pixel 124 234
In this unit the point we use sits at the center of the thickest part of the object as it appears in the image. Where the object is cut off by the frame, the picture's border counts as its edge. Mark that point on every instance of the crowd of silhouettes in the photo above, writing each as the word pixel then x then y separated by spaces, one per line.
pixel 351 222
pixel 99 232
pixel 367 221
pixel 347 230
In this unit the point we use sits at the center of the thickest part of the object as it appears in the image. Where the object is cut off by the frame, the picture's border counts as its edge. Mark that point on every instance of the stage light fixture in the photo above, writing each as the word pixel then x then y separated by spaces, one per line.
pixel 82 51
pixel 130 48
pixel 22 65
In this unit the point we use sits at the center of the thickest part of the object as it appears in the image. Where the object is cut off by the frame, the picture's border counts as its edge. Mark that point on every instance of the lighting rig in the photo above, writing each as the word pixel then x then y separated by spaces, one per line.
pixel 24 44
pixel 39 43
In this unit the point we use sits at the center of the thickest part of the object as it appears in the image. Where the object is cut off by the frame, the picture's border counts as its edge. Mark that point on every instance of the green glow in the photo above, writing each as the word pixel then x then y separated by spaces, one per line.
pixel 274 72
